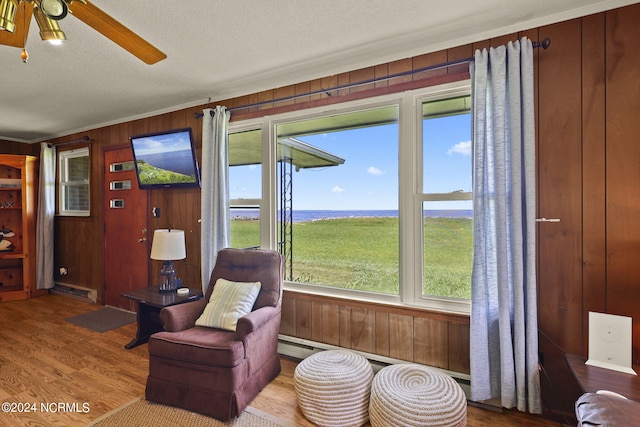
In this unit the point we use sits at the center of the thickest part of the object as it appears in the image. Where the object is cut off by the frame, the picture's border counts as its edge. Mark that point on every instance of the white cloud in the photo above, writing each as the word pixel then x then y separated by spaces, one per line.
pixel 463 148
pixel 337 189
pixel 372 170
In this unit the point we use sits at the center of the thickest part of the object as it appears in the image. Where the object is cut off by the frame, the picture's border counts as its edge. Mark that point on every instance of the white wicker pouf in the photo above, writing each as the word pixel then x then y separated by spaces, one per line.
pixel 333 388
pixel 415 395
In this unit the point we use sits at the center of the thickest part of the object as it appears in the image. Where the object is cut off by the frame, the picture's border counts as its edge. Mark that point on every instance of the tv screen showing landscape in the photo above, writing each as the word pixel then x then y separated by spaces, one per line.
pixel 165 159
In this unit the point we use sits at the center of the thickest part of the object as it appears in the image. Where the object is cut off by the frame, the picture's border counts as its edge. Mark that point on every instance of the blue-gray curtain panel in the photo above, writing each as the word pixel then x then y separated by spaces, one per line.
pixel 504 325
pixel 214 215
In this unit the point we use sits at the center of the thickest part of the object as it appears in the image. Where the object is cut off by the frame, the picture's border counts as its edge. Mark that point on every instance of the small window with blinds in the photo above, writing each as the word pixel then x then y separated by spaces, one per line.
pixel 73 182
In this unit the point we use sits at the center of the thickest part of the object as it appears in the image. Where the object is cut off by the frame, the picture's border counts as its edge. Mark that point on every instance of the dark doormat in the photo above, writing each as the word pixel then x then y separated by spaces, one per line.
pixel 104 319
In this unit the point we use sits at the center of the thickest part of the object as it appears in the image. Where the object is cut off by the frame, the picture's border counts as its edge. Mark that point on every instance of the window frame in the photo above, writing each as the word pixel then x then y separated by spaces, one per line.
pixel 410 196
pixel 63 182
pixel 251 203
pixel 455 305
pixel 338 109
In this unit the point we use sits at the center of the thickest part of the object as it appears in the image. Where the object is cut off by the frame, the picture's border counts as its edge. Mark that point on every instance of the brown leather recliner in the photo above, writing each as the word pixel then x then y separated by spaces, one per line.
pixel 213 371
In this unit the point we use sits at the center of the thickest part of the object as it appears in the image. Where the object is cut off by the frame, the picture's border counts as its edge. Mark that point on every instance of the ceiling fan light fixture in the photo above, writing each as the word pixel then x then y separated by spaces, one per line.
pixel 8 15
pixel 54 9
pixel 49 28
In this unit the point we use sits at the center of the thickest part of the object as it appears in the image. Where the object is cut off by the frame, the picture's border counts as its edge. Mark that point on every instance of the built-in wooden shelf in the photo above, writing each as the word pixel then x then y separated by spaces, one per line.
pixel 17 267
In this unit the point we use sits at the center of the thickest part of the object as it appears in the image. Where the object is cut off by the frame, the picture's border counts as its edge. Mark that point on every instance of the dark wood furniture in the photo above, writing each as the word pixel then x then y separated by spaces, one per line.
pixel 150 301
pixel 593 378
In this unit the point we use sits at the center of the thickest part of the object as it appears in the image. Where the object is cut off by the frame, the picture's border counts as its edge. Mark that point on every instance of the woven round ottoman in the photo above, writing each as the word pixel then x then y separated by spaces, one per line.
pixel 333 388
pixel 414 395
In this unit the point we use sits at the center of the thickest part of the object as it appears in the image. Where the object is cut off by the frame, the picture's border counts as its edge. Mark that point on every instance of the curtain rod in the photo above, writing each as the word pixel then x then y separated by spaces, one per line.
pixel 543 44
pixel 73 141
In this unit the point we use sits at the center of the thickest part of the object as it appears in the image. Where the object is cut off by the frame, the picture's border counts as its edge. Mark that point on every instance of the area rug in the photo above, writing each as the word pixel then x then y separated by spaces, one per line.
pixel 142 413
pixel 104 319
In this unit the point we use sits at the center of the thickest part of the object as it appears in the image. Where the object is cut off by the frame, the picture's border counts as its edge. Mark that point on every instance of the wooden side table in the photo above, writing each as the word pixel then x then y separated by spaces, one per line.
pixel 150 301
pixel 594 378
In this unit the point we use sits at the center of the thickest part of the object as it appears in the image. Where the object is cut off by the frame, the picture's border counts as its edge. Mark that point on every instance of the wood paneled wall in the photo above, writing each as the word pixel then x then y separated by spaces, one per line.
pixel 588 104
pixel 588 177
pixel 560 244
pixel 622 168
pixel 10 147
pixel 414 335
pixel 178 209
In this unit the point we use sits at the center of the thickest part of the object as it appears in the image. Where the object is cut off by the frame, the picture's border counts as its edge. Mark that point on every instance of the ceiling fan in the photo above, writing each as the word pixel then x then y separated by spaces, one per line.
pixel 15 18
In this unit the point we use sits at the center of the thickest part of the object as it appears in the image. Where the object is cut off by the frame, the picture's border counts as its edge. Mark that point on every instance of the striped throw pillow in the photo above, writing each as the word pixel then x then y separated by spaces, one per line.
pixel 229 301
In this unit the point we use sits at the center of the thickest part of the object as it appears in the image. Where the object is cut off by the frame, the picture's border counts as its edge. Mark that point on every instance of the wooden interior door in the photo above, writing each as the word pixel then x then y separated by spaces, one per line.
pixel 126 235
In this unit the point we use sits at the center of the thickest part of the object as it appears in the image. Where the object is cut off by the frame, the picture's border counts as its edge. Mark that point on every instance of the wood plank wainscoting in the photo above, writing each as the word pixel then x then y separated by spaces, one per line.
pixel 392 332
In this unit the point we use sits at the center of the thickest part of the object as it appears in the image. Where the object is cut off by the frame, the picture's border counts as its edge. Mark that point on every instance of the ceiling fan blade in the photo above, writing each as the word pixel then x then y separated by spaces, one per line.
pixel 115 31
pixel 22 22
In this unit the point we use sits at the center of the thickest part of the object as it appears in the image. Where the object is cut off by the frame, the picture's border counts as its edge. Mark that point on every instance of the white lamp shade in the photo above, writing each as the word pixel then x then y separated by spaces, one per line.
pixel 168 245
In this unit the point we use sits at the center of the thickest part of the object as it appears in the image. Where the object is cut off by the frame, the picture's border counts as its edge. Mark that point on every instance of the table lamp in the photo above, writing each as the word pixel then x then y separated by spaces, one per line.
pixel 168 246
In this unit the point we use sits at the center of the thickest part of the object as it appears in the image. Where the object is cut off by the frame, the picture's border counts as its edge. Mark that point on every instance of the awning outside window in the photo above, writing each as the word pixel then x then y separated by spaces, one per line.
pixel 244 147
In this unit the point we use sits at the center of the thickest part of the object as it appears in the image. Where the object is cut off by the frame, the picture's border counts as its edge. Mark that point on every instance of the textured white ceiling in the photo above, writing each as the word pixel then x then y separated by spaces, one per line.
pixel 221 49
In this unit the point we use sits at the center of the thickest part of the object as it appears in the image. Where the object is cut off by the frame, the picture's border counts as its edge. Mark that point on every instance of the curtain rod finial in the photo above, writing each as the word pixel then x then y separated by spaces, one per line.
pixel 201 115
pixel 543 44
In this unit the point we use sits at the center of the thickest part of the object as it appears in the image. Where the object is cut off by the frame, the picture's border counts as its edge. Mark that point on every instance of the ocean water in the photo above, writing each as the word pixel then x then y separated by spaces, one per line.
pixel 310 215
pixel 176 161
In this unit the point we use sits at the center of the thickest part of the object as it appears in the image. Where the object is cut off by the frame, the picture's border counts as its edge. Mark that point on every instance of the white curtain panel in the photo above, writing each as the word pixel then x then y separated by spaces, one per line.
pixel 215 188
pixel 504 325
pixel 46 213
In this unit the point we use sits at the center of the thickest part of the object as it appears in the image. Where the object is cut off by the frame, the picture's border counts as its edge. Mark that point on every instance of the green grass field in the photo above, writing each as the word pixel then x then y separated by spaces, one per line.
pixel 362 253
pixel 150 174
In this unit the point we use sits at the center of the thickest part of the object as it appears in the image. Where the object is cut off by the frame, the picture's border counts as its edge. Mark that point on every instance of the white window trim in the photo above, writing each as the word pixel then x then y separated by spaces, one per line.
pixel 410 191
pixel 63 157
pixel 245 127
pixel 455 305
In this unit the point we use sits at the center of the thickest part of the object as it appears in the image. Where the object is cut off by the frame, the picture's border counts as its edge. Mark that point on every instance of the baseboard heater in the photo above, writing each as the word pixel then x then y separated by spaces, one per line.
pixel 75 291
pixel 299 348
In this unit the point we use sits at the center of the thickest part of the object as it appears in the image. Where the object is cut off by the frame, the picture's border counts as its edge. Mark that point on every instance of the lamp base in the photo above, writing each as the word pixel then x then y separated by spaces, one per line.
pixel 169 290
pixel 168 280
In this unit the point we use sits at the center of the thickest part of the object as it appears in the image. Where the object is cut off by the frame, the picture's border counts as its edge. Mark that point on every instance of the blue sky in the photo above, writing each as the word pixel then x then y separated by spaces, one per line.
pixel 447 154
pixel 162 143
pixel 368 179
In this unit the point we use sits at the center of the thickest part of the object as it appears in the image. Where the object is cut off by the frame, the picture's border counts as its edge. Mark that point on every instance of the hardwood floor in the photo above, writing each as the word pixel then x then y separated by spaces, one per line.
pixel 46 362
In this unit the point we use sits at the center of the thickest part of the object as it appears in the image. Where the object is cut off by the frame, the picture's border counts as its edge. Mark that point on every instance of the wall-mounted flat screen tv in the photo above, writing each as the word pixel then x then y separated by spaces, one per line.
pixel 165 159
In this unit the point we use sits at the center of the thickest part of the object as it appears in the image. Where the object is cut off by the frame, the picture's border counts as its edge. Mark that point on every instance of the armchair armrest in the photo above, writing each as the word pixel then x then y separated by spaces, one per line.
pixel 594 409
pixel 179 317
pixel 256 319
pixel 258 332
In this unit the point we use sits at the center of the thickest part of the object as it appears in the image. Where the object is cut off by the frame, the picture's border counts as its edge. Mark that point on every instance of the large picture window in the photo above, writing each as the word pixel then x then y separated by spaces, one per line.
pixel 367 200
pixel 339 200
pixel 73 183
